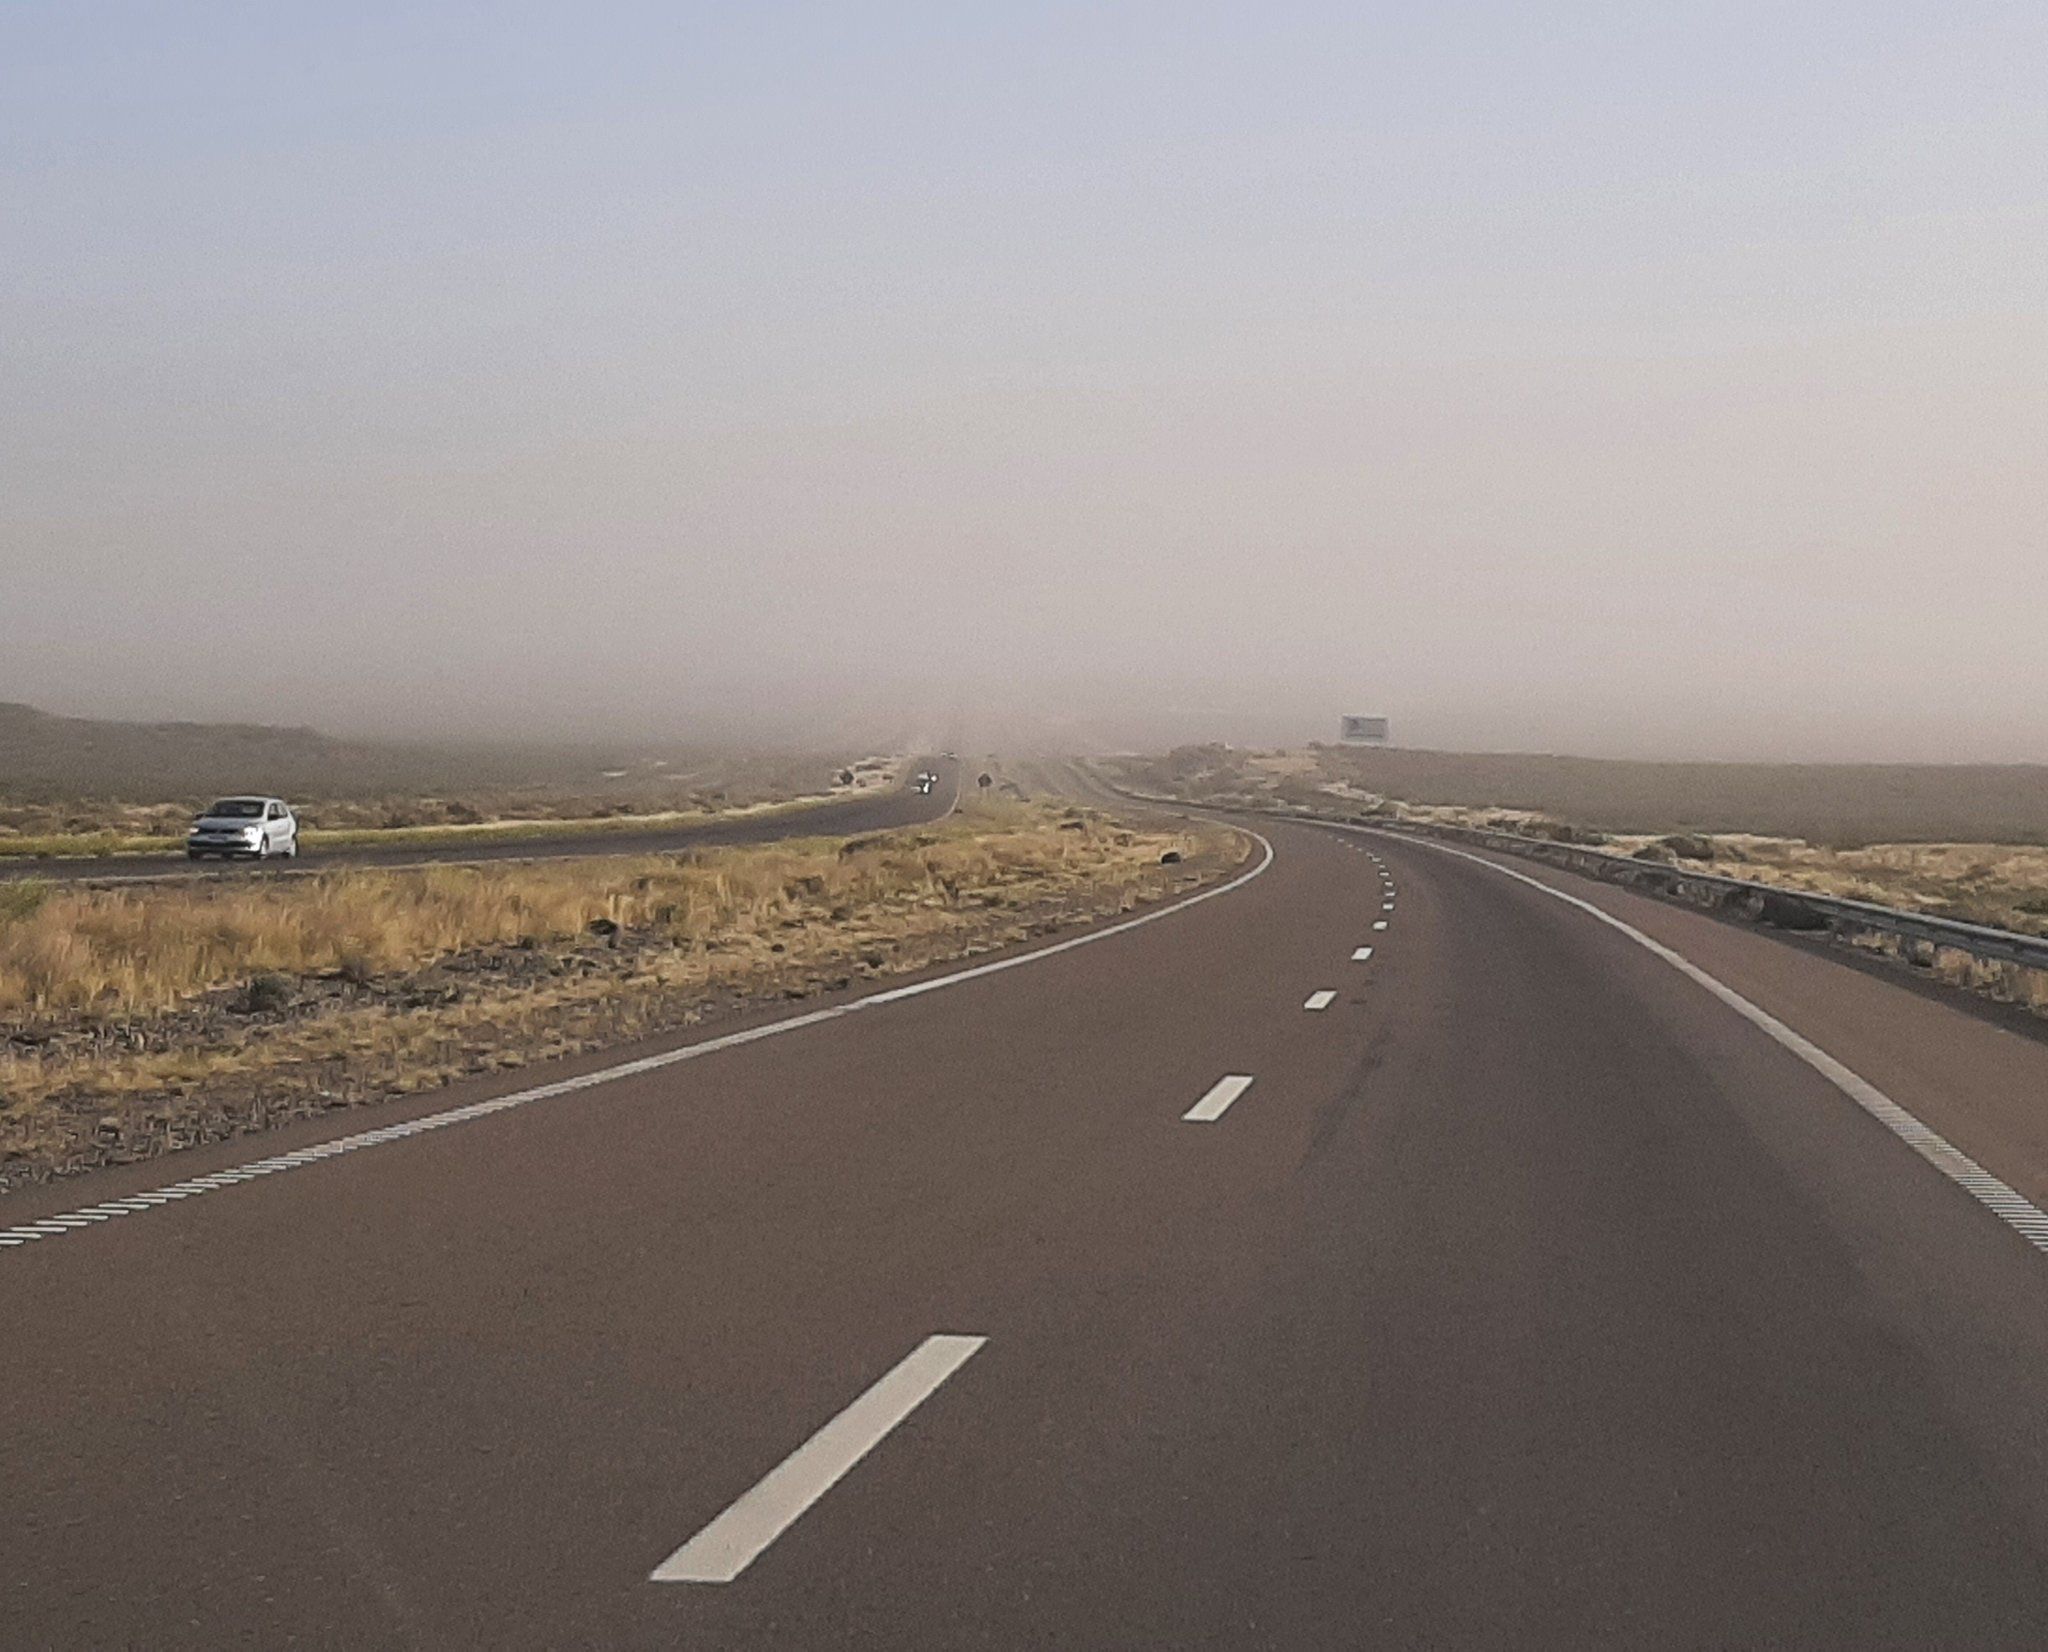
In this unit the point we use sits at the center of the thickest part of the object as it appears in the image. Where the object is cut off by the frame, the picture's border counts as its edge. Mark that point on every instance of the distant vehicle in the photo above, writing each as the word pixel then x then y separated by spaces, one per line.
pixel 925 782
pixel 252 827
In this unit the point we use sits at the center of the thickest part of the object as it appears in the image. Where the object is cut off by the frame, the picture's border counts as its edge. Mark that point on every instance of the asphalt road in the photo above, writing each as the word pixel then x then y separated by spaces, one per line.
pixel 901 805
pixel 1527 1295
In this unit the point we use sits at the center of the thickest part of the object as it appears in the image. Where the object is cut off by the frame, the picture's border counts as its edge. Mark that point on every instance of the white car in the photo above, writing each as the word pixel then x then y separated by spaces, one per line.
pixel 256 827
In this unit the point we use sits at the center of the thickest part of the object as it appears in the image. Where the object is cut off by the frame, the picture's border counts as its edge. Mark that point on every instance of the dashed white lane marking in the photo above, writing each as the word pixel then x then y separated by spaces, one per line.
pixel 66 1222
pixel 732 1542
pixel 1217 1102
pixel 1320 1000
pixel 1386 906
pixel 1381 924
pixel 1360 954
pixel 2003 1201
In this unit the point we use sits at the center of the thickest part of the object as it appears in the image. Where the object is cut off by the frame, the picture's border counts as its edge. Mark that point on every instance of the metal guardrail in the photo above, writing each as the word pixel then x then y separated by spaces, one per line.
pixel 1765 903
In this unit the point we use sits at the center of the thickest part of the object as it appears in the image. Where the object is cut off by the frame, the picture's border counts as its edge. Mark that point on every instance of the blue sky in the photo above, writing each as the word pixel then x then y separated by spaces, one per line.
pixel 1545 375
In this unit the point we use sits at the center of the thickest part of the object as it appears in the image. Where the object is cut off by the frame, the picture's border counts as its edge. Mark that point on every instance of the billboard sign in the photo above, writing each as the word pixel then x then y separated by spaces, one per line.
pixel 1365 731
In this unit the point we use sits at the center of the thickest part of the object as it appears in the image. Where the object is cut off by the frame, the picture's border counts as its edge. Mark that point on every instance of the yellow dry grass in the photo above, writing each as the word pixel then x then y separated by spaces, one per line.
pixel 119 952
pixel 124 985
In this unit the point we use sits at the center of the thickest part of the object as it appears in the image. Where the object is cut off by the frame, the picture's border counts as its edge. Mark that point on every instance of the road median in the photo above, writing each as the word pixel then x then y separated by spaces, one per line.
pixel 143 1020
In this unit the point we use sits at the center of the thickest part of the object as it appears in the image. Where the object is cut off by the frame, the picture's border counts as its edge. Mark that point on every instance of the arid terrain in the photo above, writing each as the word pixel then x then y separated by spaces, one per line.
pixel 1967 843
pixel 137 1020
pixel 75 786
pixel 1837 805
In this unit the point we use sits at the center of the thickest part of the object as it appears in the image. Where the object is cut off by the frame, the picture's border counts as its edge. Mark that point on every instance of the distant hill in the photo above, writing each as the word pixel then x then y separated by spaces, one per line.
pixel 1844 805
pixel 44 758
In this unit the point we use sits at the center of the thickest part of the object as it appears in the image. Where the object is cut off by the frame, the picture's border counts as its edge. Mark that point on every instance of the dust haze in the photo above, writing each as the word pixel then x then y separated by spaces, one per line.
pixel 1656 386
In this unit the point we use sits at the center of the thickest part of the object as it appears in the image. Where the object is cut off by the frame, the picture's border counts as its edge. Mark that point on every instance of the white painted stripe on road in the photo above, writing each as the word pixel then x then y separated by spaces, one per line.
pixel 1360 954
pixel 668 1058
pixel 1387 906
pixel 1217 1102
pixel 732 1542
pixel 2000 1198
pixel 1381 924
pixel 1320 1000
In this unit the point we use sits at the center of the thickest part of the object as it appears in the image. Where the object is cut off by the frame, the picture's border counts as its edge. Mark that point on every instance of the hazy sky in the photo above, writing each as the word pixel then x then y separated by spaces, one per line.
pixel 1625 378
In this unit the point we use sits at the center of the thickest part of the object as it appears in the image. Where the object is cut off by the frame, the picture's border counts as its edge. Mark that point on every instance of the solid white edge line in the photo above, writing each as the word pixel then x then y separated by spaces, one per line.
pixel 1320 1000
pixel 1217 1100
pixel 2009 1205
pixel 733 1541
pixel 319 1153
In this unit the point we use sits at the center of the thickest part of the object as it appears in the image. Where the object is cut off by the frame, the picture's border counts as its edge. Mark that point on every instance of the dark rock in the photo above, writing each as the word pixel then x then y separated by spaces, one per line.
pixel 1564 832
pixel 1788 912
pixel 266 994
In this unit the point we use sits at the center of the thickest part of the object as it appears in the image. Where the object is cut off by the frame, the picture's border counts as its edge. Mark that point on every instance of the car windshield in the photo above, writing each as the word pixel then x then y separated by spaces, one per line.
pixel 237 808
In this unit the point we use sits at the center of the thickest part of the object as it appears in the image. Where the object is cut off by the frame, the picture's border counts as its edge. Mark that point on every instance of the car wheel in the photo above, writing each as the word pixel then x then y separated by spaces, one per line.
pixel 291 850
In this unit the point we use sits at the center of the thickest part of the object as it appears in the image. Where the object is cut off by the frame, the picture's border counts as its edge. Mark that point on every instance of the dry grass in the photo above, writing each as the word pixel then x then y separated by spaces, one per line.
pixel 119 952
pixel 134 1027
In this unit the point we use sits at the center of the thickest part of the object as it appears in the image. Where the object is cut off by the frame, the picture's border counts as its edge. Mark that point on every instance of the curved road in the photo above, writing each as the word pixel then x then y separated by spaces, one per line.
pixel 1527 1294
pixel 903 805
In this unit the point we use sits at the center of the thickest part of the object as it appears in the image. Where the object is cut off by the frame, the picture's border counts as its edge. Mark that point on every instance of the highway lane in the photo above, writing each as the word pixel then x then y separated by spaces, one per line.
pixel 1524 1296
pixel 901 805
